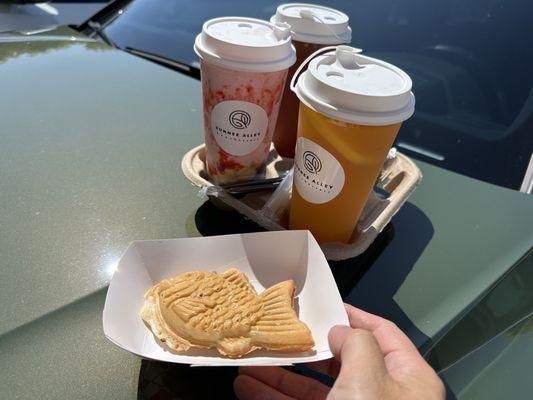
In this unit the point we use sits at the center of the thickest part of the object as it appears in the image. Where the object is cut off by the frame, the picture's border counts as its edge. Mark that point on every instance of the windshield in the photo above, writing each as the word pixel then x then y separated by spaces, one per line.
pixel 32 15
pixel 471 64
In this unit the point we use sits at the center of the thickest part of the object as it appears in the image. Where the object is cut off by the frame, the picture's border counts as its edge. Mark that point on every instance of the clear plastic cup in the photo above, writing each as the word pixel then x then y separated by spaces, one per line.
pixel 244 64
pixel 351 108
pixel 313 27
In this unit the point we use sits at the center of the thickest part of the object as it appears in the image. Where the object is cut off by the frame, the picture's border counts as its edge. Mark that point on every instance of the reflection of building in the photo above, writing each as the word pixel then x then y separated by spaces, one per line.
pixel 13 45
pixel 45 15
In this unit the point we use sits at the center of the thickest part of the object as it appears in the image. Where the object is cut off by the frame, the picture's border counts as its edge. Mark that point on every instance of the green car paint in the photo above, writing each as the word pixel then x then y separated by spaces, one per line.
pixel 90 153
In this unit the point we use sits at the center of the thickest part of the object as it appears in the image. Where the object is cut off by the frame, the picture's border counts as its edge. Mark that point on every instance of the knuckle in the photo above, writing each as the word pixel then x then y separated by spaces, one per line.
pixel 314 393
pixel 391 325
pixel 284 381
pixel 362 333
pixel 357 335
pixel 435 384
pixel 357 332
pixel 439 387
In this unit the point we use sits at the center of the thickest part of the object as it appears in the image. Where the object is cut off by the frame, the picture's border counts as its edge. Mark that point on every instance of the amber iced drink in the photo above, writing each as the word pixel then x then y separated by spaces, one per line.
pixel 244 65
pixel 313 27
pixel 351 108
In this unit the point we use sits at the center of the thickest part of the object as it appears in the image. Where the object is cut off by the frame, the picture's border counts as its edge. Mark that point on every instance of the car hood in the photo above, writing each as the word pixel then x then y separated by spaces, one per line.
pixel 90 151
pixel 80 117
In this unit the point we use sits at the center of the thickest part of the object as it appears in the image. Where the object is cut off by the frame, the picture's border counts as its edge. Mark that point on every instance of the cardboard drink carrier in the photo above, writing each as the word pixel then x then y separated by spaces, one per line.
pixel 399 177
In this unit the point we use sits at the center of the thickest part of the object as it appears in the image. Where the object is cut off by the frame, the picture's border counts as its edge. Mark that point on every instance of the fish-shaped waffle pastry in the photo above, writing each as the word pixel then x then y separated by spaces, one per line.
pixel 207 309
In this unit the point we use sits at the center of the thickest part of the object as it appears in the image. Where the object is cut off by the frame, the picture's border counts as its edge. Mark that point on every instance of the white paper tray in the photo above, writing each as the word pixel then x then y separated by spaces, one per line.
pixel 399 177
pixel 258 255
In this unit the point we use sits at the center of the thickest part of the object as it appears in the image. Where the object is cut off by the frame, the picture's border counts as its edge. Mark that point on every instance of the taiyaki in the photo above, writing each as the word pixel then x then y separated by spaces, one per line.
pixel 207 309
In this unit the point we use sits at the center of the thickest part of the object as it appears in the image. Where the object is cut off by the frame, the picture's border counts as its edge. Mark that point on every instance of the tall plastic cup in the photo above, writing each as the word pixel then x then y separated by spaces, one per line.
pixel 313 27
pixel 244 64
pixel 351 109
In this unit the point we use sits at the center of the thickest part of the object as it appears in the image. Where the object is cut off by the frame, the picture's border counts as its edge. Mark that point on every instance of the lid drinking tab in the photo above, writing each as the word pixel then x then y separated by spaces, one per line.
pixel 346 57
pixel 282 30
pixel 312 23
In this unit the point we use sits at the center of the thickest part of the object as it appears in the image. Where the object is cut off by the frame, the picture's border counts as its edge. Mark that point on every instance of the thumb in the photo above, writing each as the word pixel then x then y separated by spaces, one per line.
pixel 363 368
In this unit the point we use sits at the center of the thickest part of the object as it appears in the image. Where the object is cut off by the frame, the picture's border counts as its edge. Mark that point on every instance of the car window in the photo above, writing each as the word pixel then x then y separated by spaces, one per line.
pixel 470 63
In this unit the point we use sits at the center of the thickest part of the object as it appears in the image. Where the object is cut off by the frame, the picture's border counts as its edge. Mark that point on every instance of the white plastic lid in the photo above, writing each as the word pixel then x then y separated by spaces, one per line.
pixel 345 85
pixel 246 44
pixel 312 23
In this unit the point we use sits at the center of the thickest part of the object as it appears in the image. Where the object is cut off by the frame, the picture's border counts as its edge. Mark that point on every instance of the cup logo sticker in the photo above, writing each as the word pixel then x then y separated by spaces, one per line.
pixel 318 176
pixel 239 119
pixel 238 127
pixel 311 162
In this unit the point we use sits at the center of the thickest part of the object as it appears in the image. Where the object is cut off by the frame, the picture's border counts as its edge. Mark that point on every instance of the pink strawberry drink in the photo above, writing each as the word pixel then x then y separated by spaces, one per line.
pixel 244 64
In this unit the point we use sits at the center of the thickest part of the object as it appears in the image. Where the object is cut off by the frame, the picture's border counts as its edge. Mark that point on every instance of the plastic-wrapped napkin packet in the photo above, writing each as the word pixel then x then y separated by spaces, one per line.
pixel 266 258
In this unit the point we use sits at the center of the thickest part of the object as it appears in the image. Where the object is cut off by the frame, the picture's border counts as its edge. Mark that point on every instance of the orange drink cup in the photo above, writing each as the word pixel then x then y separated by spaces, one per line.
pixel 351 108
pixel 313 27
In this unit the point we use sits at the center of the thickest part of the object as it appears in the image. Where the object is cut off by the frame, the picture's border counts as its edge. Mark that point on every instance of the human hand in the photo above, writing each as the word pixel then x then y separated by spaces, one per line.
pixel 374 359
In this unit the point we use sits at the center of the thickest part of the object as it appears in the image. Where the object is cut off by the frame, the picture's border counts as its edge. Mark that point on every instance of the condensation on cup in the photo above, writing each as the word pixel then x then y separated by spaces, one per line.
pixel 313 27
pixel 244 64
pixel 351 108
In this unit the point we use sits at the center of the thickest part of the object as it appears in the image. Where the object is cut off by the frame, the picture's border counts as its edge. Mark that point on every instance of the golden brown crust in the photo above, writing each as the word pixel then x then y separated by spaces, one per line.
pixel 206 309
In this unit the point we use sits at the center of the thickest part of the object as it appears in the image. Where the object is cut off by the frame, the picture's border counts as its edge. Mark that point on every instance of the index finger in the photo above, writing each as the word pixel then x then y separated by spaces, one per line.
pixel 388 335
pixel 396 347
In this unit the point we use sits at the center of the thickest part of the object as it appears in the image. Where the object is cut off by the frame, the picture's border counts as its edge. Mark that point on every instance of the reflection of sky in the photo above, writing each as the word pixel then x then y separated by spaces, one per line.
pixel 109 268
pixel 47 8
